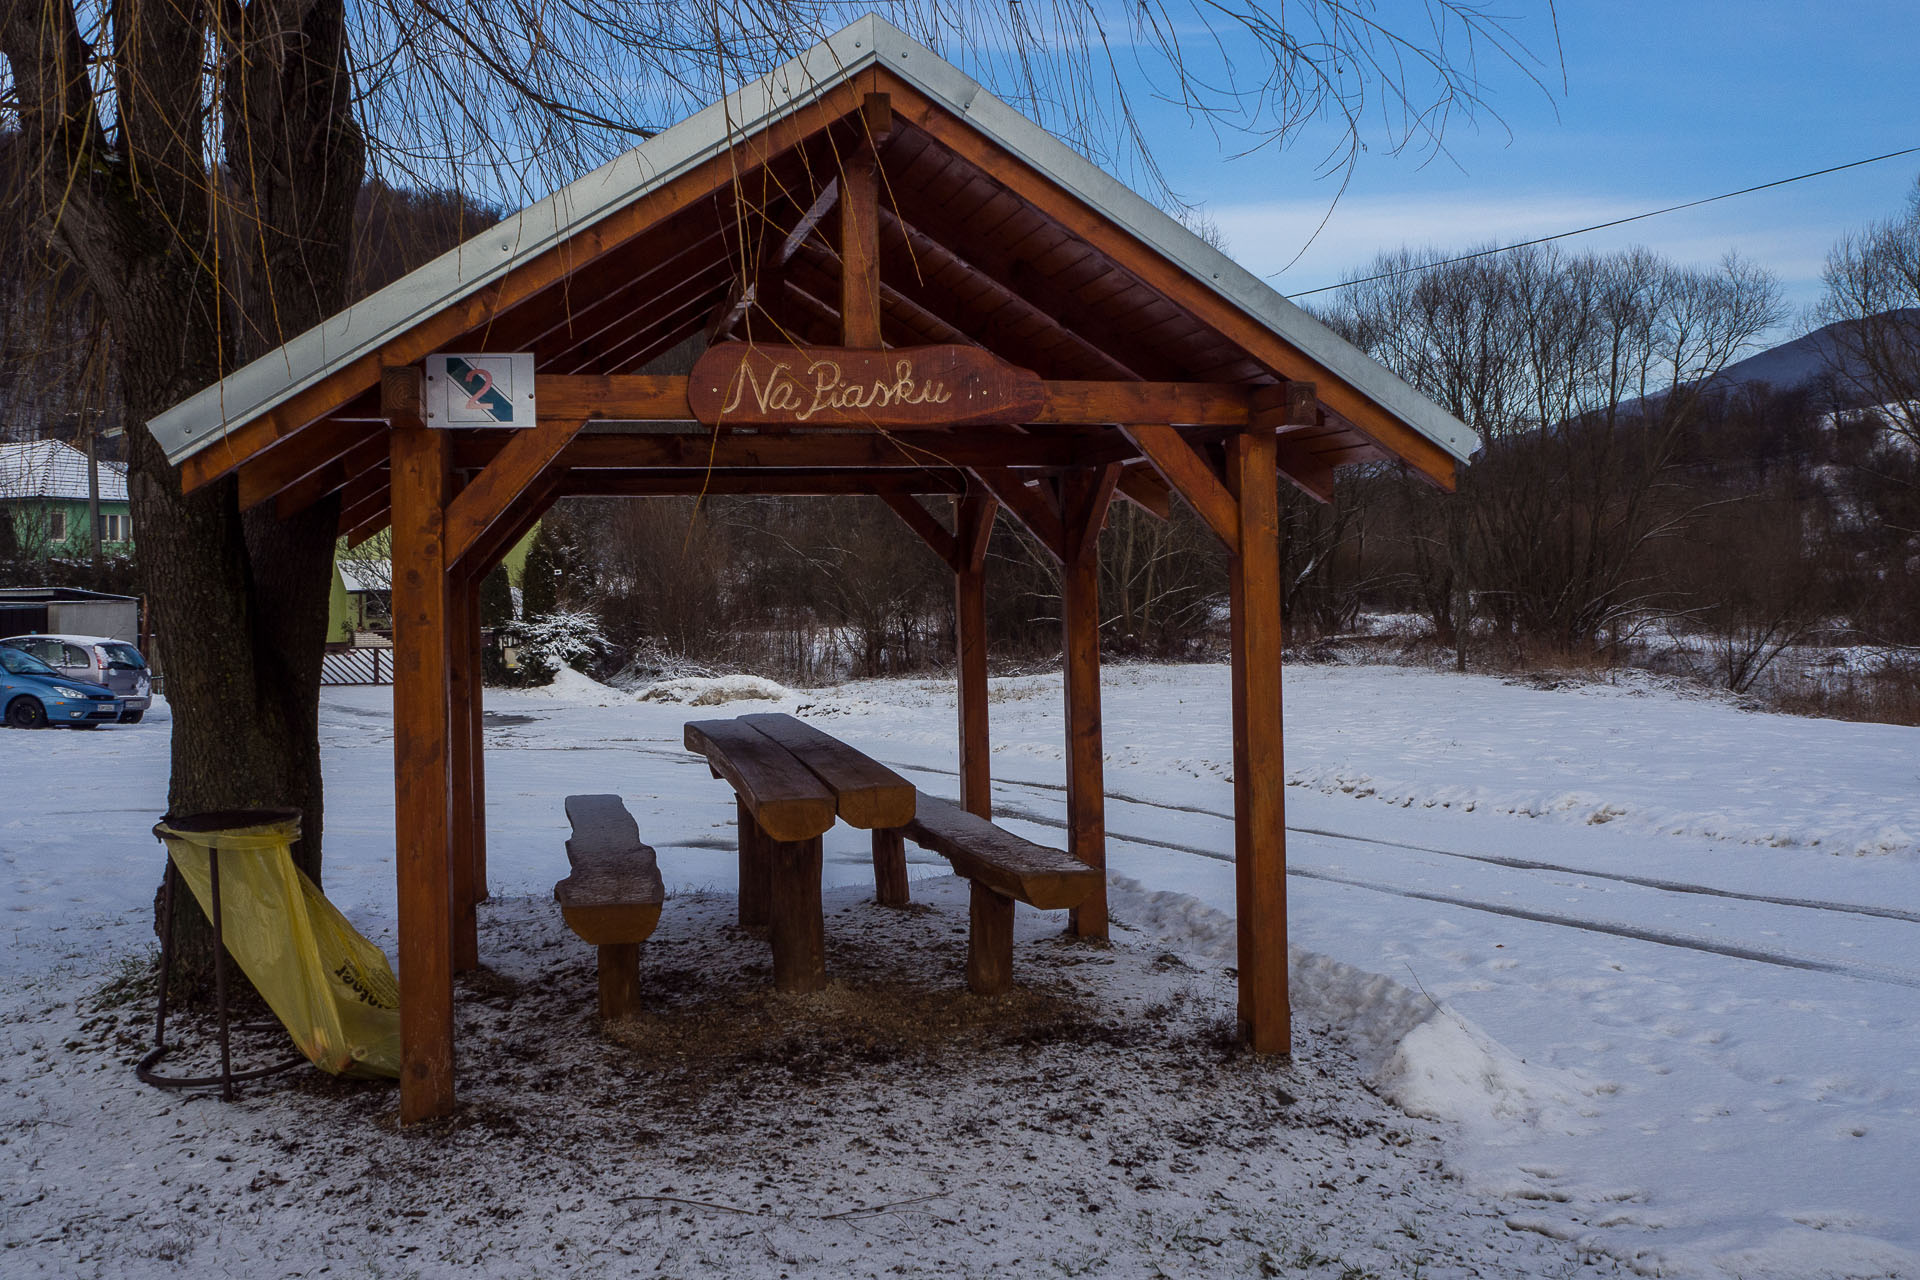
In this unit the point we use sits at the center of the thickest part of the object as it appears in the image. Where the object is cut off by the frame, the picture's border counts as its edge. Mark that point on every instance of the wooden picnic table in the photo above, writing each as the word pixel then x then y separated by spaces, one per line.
pixel 791 783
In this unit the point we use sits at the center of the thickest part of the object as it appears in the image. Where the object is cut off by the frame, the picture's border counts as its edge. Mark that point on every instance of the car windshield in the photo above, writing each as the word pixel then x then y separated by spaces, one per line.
pixel 20 663
pixel 123 655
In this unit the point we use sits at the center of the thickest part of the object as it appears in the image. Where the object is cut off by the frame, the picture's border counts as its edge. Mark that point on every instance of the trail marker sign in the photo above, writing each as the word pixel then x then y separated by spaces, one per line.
pixel 486 389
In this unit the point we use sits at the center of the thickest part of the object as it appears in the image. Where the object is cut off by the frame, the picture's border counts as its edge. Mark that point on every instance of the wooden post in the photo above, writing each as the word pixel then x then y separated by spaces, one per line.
pixel 889 867
pixel 860 231
pixel 754 867
pixel 989 942
pixel 476 725
pixel 1084 498
pixel 460 677
pixel 797 929
pixel 973 525
pixel 619 973
pixel 1259 775
pixel 420 755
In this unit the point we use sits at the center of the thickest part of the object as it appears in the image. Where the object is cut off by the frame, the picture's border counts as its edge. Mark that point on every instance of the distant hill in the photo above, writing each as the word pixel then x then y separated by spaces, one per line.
pixel 1804 360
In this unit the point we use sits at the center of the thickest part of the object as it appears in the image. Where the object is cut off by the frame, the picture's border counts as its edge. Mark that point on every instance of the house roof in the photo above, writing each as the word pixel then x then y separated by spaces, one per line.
pixel 53 469
pixel 1063 324
pixel 365 575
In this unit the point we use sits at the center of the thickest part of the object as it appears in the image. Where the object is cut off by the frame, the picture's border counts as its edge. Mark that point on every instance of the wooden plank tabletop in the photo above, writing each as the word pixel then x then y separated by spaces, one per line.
pixel 867 793
pixel 787 801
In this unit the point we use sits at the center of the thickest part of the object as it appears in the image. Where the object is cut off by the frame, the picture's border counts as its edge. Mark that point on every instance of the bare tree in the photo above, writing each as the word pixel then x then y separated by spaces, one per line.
pixel 1581 376
pixel 1873 295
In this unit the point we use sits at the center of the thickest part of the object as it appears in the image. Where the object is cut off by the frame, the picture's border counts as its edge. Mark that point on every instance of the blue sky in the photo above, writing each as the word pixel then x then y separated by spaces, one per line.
pixel 1662 103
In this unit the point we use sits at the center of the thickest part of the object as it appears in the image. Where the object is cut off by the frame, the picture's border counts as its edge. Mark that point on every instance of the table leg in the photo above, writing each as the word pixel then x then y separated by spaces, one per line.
pixel 754 869
pixel 889 867
pixel 799 934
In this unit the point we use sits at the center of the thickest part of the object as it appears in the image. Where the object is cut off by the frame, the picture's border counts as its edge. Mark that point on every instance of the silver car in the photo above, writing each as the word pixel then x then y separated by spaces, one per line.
pixel 97 660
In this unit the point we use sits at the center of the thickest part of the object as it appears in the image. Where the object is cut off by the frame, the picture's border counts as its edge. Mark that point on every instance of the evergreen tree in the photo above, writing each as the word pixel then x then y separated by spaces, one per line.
pixel 540 578
pixel 496 615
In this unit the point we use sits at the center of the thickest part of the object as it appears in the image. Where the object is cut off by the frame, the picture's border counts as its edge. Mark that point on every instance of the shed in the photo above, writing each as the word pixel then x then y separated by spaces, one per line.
pixel 899 287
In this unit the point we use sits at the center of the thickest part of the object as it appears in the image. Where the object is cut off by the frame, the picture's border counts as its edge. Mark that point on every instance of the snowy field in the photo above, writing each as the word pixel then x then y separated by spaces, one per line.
pixel 1648 982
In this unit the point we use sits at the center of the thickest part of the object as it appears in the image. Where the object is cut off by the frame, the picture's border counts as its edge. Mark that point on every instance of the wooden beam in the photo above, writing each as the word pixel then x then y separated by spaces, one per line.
pixel 462 672
pixel 663 398
pixel 860 231
pixel 1144 487
pixel 788 481
pixel 420 751
pixel 614 397
pixel 1034 509
pixel 476 641
pixel 299 457
pixel 702 447
pixel 937 280
pixel 380 518
pixel 1195 404
pixel 506 533
pixel 822 205
pixel 243 441
pixel 1191 476
pixel 1006 267
pixel 1308 472
pixel 1084 497
pixel 921 521
pixel 973 526
pixel 1259 766
pixel 518 464
pixel 1285 406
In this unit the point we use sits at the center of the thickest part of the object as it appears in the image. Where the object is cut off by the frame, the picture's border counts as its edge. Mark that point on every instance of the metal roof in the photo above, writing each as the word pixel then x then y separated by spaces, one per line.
pixel 364 327
pixel 54 469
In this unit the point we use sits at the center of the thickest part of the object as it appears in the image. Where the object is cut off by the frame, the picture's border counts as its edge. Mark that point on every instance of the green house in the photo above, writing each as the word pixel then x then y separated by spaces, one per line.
pixel 44 492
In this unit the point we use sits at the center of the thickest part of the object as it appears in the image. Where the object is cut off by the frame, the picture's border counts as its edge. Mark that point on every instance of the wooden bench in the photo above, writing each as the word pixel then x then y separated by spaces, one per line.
pixel 1001 868
pixel 613 897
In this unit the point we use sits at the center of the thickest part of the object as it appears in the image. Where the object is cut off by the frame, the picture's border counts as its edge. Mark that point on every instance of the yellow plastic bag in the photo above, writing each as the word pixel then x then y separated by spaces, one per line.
pixel 333 989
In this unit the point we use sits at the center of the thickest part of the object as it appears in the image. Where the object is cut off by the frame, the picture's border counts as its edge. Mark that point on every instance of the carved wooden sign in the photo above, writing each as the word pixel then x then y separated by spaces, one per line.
pixel 761 385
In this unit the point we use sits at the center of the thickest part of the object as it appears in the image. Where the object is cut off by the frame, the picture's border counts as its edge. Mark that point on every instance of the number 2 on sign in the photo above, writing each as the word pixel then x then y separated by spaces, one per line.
pixel 485 380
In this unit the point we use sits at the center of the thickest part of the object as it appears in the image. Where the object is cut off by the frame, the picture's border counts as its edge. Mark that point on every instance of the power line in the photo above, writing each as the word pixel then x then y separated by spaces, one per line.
pixel 1602 226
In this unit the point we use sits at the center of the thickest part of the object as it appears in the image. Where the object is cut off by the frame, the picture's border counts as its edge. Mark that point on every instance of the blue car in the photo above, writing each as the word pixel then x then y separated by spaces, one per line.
pixel 34 696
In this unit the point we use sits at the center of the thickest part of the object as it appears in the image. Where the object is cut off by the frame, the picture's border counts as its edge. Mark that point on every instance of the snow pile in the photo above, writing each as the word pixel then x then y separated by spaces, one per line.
pixel 711 691
pixel 574 688
pixel 1420 1055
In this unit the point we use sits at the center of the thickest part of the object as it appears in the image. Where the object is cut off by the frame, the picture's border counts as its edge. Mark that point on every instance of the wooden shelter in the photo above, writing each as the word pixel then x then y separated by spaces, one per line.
pixel 902 288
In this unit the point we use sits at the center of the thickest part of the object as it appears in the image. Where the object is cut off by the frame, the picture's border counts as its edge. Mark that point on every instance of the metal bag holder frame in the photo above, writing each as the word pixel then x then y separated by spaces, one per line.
pixel 171 885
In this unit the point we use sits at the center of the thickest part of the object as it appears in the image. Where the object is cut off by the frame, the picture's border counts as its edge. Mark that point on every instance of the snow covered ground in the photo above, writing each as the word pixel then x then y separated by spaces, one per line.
pixel 1675 946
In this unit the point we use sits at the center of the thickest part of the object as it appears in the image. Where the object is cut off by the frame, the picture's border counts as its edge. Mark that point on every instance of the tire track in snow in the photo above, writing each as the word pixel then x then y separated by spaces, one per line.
pixel 1589 924
pixel 1614 928
pixel 1494 859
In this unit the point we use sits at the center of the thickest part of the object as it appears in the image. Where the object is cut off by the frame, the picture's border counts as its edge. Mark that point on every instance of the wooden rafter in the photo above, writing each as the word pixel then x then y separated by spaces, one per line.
pixel 303 493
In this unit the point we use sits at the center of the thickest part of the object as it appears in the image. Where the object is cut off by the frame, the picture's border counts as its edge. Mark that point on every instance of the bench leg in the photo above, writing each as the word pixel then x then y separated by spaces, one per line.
pixel 990 944
pixel 798 932
pixel 754 869
pixel 619 980
pixel 889 868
